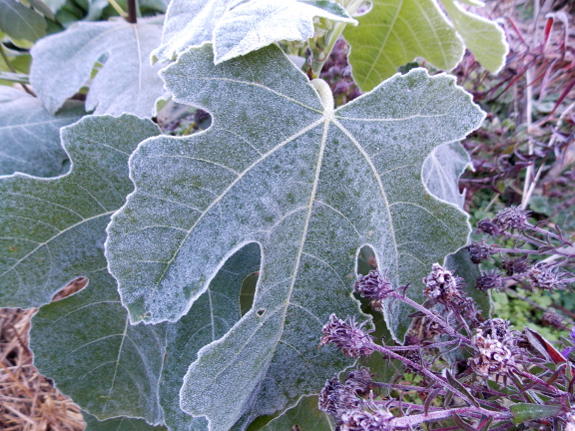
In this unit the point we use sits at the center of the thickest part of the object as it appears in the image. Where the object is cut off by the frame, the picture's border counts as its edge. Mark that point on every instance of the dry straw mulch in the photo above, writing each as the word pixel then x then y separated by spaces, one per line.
pixel 28 401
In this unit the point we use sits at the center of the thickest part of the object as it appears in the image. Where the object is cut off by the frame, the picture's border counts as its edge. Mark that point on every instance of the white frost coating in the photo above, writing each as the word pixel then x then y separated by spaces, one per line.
pixel 54 228
pixel 30 135
pixel 258 23
pixel 189 23
pixel 126 83
pixel 87 346
pixel 325 95
pixel 442 169
pixel 273 171
pixel 237 27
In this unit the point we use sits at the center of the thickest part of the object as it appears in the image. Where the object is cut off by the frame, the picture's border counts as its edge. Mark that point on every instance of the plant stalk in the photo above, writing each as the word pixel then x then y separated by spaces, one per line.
pixel 118 9
pixel 132 14
pixel 321 46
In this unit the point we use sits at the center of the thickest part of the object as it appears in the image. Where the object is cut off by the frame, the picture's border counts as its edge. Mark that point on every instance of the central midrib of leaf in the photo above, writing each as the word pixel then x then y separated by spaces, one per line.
pixel 242 174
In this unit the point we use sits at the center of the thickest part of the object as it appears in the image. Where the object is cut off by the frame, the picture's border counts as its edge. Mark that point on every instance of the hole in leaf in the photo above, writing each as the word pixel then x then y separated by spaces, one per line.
pixel 74 286
pixel 247 292
pixel 177 119
pixel 363 8
pixel 366 260
pixel 261 312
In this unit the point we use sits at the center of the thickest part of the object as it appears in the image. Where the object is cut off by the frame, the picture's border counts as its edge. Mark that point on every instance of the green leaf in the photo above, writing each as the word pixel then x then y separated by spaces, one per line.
pixel 30 135
pixel 237 28
pixel 211 317
pixel 53 229
pixel 525 412
pixel 484 38
pixel 86 344
pixel 21 23
pixel 305 415
pixel 395 33
pixel 119 424
pixel 311 186
pixel 252 25
pixel 62 63
pixel 43 8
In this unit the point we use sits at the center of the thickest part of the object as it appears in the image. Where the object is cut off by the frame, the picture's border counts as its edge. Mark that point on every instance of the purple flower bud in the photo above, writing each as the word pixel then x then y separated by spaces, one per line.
pixel 486 226
pixel 489 280
pixel 348 336
pixel 515 266
pixel 511 218
pixel 373 286
pixel 479 251
pixel 543 277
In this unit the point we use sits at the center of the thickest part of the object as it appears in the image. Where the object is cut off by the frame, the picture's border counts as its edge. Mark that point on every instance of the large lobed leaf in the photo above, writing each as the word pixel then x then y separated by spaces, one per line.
pixel 62 64
pixel 310 186
pixel 30 135
pixel 84 342
pixel 396 32
pixel 53 229
pixel 237 28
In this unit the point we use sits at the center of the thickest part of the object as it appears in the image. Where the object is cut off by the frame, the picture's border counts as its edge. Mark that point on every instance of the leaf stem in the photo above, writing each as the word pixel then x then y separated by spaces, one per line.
pixel 132 15
pixel 321 46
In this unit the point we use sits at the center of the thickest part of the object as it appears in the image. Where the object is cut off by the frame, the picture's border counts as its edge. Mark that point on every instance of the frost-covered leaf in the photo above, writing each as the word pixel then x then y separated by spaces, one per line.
pixel 86 344
pixel 210 318
pixel 484 38
pixel 119 424
pixel 237 27
pixel 252 25
pixel 62 64
pixel 442 169
pixel 308 184
pixel 22 24
pixel 30 135
pixel 189 23
pixel 394 33
pixel 53 230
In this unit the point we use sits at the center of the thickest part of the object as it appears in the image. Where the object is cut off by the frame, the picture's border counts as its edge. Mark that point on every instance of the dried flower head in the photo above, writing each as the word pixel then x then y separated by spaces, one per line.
pixel 511 218
pixel 489 280
pixel 366 420
pixel 373 286
pixel 467 307
pixel 486 226
pixel 543 277
pixel 515 266
pixel 348 336
pixel 479 251
pixel 441 285
pixel 495 346
pixel 336 399
pixel 359 381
